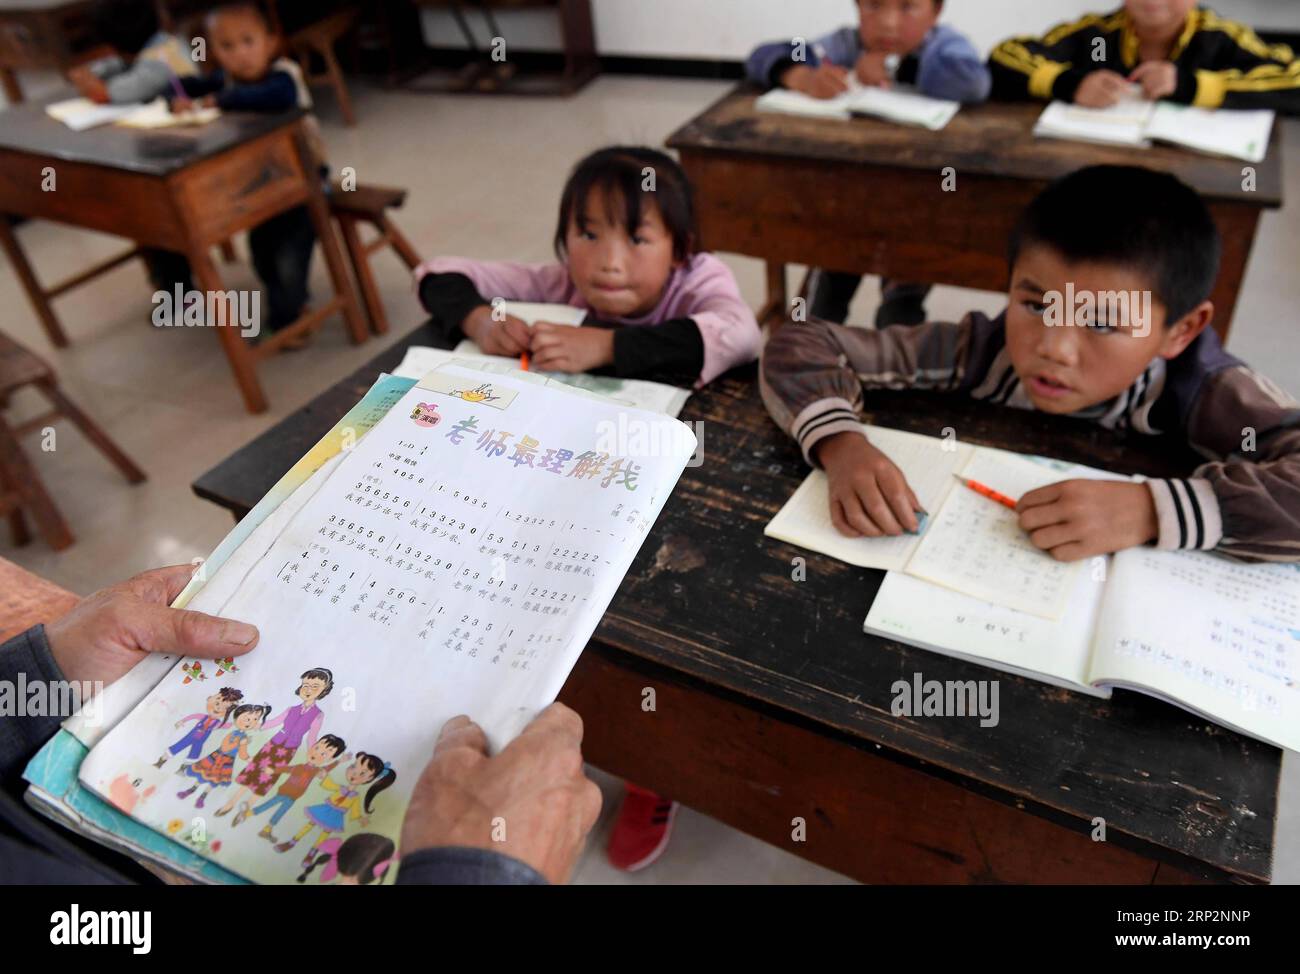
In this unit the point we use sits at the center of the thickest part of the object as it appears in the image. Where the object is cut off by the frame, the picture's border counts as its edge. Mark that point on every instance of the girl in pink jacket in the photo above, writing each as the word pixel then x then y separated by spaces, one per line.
pixel 656 307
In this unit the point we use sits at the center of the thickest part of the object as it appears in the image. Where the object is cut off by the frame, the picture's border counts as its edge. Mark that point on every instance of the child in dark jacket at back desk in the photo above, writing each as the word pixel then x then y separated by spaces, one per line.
pixel 250 78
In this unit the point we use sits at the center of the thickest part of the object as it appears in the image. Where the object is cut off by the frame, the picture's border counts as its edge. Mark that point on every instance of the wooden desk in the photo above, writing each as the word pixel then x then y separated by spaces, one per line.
pixel 186 190
pixel 867 196
pixel 42 34
pixel 773 705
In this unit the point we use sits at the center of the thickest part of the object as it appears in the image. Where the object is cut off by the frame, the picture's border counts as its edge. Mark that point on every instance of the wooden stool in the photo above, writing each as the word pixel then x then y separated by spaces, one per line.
pixel 369 204
pixel 21 489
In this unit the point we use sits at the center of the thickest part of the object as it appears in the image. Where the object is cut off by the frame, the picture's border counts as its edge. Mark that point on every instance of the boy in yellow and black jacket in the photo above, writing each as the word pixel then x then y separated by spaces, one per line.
pixel 1172 49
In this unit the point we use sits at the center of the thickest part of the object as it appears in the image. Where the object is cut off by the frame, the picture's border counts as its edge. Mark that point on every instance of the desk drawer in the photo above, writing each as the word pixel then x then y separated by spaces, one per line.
pixel 238 190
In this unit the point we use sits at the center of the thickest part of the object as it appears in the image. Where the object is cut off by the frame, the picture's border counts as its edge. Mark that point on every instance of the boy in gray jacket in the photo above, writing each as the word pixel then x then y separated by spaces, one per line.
pixel 895 41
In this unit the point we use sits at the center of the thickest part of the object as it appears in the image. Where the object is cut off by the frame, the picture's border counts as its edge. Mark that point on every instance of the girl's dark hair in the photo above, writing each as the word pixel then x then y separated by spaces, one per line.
pixel 244 708
pixel 621 173
pixel 319 673
pixel 384 780
pixel 335 743
pixel 358 857
pixel 229 695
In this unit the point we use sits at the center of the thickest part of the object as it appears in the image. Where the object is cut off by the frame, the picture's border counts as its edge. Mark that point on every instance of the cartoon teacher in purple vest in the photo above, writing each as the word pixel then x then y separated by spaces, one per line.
pixel 297 724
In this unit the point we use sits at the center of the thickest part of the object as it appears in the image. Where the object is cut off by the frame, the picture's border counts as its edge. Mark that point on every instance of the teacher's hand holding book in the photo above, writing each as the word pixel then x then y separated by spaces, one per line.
pixel 104 634
pixel 532 801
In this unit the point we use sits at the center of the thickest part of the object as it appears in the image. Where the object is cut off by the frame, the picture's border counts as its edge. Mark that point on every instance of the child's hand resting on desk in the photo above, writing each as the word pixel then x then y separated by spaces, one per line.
pixel 1159 79
pixel 1101 89
pixel 1077 519
pixel 496 336
pixel 824 81
pixel 869 495
pixel 564 348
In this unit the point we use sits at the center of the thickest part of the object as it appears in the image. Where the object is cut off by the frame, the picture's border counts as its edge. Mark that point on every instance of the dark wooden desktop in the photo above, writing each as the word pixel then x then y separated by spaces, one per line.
pixel 772 707
pixel 868 196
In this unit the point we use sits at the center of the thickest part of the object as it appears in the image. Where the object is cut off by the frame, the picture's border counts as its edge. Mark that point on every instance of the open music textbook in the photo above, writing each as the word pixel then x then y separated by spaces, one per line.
pixel 454 559
pixel 1218 637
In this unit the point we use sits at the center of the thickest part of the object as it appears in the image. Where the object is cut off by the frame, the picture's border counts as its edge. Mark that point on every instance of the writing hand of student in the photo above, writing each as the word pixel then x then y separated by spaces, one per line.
pixel 180 105
pixel 824 81
pixel 564 348
pixel 1159 79
pixel 106 634
pixel 1101 89
pixel 506 335
pixel 871 70
pixel 535 788
pixel 1077 519
pixel 89 84
pixel 869 495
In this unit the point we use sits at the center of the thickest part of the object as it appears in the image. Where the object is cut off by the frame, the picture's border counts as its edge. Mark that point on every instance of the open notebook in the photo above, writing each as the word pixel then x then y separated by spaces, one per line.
pixel 968 543
pixel 79 114
pixel 1134 121
pixel 901 104
pixel 454 559
pixel 1217 637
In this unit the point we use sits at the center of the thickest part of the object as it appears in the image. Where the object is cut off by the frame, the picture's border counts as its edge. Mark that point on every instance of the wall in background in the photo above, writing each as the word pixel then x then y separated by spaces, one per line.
pixel 729 29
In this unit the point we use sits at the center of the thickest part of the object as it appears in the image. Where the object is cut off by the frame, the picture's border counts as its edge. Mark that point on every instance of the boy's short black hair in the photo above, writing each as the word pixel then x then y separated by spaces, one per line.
pixel 125 25
pixel 1130 216
pixel 239 6
pixel 622 172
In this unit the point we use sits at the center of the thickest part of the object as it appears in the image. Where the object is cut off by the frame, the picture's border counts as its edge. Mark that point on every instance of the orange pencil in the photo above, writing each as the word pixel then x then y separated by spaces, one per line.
pixel 523 362
pixel 987 491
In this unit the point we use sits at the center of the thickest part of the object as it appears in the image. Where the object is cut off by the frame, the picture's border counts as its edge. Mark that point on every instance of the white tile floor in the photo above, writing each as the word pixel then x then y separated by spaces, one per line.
pixel 484 176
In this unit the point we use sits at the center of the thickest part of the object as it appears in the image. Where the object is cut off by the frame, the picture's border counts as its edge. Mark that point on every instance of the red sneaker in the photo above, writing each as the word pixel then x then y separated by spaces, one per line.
pixel 641 833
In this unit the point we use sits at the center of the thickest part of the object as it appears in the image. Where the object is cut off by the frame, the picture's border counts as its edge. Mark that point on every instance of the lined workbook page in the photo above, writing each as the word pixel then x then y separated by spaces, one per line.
pixel 976 546
pixel 940 619
pixel 927 462
pixel 1217 636
pixel 455 561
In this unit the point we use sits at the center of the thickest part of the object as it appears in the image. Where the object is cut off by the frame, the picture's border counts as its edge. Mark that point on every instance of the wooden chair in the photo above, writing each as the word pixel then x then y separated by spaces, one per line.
pixel 21 489
pixel 369 204
pixel 318 38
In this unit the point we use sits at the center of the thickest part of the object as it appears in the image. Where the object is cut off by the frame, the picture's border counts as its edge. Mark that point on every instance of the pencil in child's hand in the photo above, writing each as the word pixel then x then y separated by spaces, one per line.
pixel 987 491
pixel 523 362
pixel 176 84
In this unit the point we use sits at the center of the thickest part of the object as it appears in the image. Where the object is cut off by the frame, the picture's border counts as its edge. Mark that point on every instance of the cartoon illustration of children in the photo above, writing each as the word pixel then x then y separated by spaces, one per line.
pixel 358 860
pixel 333 815
pixel 218 708
pixel 329 748
pixel 216 769
pixel 297 723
